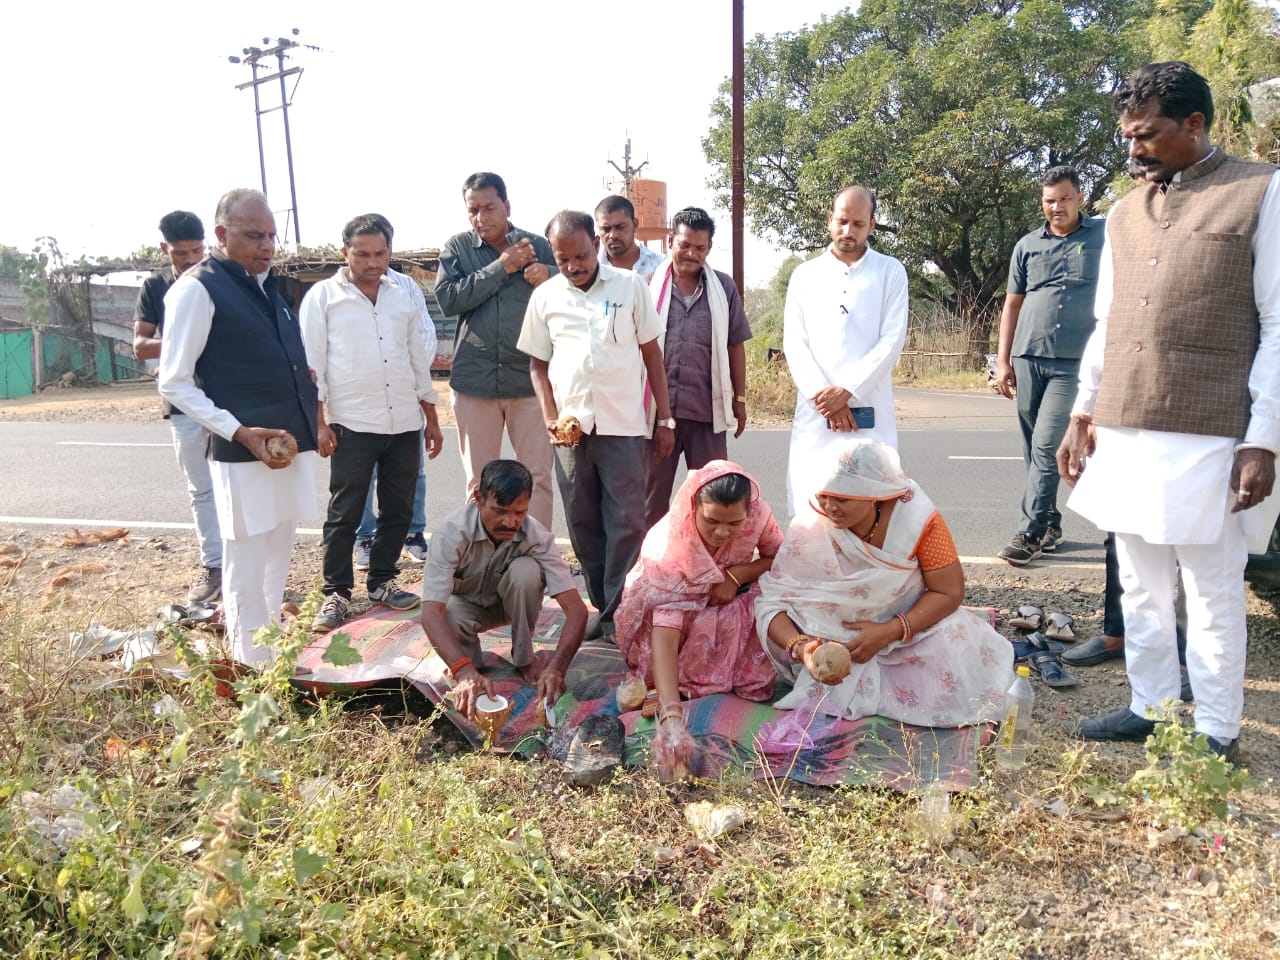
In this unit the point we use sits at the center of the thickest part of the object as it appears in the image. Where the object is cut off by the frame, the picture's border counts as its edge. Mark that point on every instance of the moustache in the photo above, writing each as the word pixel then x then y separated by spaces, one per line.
pixel 1138 166
pixel 505 529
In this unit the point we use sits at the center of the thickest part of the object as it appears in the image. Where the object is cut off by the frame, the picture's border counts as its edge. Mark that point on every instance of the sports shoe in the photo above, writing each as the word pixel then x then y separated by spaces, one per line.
pixel 415 546
pixel 1052 537
pixel 333 613
pixel 360 555
pixel 1021 550
pixel 207 588
pixel 390 595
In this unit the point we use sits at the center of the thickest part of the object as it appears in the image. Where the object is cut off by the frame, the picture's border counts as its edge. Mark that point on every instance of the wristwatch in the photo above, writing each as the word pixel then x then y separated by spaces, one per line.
pixel 669 423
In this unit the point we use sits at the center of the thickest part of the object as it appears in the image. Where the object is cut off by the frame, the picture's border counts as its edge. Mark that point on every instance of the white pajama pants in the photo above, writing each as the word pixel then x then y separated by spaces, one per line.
pixel 1213 578
pixel 254 571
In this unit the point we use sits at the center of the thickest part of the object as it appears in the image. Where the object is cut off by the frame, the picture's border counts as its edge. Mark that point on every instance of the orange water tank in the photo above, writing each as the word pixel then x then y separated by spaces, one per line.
pixel 649 197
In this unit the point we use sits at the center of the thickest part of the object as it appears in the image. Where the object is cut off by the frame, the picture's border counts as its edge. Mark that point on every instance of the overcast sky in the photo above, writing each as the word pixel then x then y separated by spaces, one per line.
pixel 117 113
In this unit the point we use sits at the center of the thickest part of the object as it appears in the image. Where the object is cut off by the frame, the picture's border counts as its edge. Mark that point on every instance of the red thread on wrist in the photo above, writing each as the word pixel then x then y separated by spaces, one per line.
pixel 462 662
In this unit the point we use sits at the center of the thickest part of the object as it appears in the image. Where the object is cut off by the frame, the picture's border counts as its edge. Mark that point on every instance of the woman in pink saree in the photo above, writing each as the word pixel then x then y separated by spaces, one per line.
pixel 686 621
pixel 873 567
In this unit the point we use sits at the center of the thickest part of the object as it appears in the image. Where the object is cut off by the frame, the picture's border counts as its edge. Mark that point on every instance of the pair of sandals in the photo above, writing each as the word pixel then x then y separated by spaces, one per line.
pixel 1044 656
pixel 1054 624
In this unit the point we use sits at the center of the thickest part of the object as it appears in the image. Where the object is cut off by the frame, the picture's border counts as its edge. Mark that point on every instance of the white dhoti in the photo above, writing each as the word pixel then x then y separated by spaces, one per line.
pixel 259 510
pixel 1168 498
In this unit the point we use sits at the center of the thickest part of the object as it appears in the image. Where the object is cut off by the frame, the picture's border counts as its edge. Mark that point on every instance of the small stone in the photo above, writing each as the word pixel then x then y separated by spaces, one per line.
pixel 962 856
pixel 1207 876
pixel 1059 808
pixel 979 926
pixel 1027 919
pixel 665 854
pixel 1213 888
pixel 1193 873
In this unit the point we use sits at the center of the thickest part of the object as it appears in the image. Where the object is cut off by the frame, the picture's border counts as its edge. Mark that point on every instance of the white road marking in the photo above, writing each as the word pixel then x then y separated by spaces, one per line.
pixel 1041 562
pixel 153 525
pixel 94 443
pixel 984 458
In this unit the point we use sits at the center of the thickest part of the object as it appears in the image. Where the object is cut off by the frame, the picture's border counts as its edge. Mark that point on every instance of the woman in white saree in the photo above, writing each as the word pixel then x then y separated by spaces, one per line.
pixel 873 566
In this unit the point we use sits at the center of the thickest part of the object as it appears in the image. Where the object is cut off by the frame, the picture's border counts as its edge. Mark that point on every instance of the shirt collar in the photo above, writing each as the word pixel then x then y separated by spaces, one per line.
pixel 478 241
pixel 1084 224
pixel 344 276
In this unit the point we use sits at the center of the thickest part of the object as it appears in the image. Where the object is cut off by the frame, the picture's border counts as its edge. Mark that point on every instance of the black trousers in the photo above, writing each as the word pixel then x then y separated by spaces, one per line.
pixel 396 455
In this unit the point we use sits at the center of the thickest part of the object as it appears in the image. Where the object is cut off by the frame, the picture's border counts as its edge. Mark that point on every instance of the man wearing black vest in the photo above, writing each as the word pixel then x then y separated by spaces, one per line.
pixel 1179 400
pixel 234 361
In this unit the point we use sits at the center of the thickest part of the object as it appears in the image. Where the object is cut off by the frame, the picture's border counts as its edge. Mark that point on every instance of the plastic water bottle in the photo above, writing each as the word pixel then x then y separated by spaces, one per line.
pixel 935 812
pixel 1011 748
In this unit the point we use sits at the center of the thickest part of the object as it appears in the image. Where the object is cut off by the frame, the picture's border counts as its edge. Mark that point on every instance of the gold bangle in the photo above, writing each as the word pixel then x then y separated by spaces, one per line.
pixel 791 644
pixel 729 573
pixel 739 399
pixel 669 711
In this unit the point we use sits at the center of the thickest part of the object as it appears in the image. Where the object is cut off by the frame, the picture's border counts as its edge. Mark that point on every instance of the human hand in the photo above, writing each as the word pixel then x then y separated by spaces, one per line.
pixel 1006 381
pixel 550 686
pixel 255 439
pixel 1253 475
pixel 843 422
pixel 872 637
pixel 434 440
pixel 722 593
pixel 518 256
pixel 467 686
pixel 664 441
pixel 537 273
pixel 1077 444
pixel 829 401
pixel 739 414
pixel 326 440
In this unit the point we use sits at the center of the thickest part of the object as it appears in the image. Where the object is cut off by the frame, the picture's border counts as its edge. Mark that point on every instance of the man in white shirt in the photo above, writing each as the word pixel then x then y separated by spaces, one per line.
pixel 592 335
pixel 1179 403
pixel 616 224
pixel 234 361
pixel 415 544
pixel 844 325
pixel 364 341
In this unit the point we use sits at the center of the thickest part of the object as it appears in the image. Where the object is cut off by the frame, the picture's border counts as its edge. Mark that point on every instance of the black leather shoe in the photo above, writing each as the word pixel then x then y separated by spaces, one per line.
pixel 1186 695
pixel 1122 724
pixel 1092 651
pixel 1228 750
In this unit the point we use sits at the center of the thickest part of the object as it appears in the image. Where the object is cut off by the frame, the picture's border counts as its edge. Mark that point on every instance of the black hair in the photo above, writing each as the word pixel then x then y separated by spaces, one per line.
pixel 1178 89
pixel 694 218
pixel 505 481
pixel 571 221
pixel 726 490
pixel 869 192
pixel 364 225
pixel 1055 175
pixel 478 181
pixel 615 202
pixel 181 225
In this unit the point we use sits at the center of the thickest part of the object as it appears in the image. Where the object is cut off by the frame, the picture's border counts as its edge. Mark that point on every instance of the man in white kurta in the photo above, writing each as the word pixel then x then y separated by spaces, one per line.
pixel 233 353
pixel 844 325
pixel 1197 496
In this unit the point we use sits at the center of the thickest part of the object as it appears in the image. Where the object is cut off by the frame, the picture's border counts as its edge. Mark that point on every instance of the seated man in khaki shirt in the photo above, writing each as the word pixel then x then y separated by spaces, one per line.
pixel 490 564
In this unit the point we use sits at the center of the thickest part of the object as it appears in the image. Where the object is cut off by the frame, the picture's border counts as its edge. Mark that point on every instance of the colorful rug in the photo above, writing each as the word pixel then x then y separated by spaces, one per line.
pixel 735 736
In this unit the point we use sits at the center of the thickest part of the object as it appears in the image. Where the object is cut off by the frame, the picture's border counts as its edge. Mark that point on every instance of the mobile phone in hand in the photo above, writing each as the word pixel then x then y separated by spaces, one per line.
pixel 864 418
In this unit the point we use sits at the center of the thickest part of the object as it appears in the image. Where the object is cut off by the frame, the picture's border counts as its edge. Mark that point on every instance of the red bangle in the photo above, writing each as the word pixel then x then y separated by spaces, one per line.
pixel 462 662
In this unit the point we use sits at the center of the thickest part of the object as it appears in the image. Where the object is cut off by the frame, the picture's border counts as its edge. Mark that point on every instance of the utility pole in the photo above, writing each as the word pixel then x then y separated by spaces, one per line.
pixel 253 57
pixel 737 171
pixel 628 172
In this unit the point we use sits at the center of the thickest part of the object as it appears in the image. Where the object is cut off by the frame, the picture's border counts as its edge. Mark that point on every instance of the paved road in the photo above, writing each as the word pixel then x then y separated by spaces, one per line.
pixel 964 450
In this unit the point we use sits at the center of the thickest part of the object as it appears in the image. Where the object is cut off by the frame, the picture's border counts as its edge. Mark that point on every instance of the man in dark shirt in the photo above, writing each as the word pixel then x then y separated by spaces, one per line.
pixel 1047 319
pixel 703 353
pixel 487 275
pixel 184 246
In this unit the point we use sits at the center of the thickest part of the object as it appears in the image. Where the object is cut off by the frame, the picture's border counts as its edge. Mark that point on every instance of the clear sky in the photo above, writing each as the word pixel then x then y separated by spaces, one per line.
pixel 117 113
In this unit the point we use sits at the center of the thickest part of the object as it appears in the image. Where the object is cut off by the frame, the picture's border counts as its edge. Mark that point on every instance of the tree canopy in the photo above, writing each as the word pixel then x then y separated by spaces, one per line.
pixel 950 111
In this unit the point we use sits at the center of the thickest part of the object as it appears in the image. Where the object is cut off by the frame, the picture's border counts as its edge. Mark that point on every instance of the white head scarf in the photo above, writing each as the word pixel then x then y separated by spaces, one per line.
pixel 867 470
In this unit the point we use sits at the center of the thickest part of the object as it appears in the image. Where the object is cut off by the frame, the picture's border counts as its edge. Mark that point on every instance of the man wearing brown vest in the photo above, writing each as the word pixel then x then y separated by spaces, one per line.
pixel 1179 400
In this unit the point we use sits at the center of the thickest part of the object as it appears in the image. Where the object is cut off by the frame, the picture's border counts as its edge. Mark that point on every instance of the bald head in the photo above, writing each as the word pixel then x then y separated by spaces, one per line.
pixel 246 229
pixel 852 218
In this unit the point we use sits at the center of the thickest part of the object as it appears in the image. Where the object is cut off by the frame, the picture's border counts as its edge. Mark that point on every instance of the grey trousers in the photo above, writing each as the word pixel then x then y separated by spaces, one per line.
pixel 1046 391
pixel 520 592
pixel 603 483
pixel 700 444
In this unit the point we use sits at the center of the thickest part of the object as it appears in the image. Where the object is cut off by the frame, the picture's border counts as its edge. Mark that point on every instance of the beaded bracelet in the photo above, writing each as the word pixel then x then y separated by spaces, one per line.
pixel 670 712
pixel 729 573
pixel 462 662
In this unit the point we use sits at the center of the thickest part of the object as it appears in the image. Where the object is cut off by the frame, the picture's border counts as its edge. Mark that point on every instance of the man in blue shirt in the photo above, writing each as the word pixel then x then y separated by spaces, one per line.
pixel 1047 319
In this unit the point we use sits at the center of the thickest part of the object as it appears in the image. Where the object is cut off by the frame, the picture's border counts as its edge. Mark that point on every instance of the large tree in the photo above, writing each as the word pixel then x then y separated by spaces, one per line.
pixel 951 110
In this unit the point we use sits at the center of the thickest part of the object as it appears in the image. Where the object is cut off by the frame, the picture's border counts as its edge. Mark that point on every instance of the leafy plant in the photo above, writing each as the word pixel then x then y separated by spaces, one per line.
pixel 1186 782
